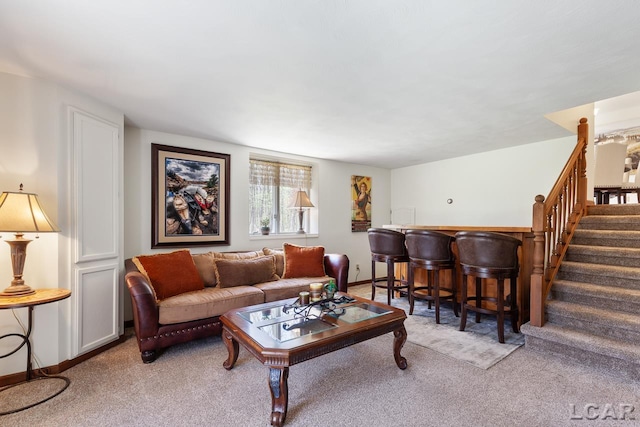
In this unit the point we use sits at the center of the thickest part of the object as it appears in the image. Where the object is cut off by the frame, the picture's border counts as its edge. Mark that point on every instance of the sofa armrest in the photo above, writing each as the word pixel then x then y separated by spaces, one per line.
pixel 145 309
pixel 337 266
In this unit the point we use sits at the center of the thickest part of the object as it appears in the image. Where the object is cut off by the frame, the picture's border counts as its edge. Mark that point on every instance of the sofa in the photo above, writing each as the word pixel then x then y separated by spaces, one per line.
pixel 179 296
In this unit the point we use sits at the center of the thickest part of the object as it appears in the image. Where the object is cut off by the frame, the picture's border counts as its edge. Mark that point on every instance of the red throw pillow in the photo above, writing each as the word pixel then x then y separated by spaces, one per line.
pixel 303 261
pixel 170 274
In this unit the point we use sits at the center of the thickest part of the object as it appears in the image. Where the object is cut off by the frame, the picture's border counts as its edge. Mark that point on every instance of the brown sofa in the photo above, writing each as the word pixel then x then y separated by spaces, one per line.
pixel 160 323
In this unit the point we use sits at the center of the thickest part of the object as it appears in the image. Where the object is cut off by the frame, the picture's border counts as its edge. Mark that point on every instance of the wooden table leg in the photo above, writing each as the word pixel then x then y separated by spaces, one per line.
pixel 279 394
pixel 400 337
pixel 232 348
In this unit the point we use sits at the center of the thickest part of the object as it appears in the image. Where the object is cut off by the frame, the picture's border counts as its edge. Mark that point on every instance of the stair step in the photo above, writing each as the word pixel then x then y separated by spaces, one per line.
pixel 610 222
pixel 605 297
pixel 625 209
pixel 625 257
pixel 598 321
pixel 612 238
pixel 610 355
pixel 600 274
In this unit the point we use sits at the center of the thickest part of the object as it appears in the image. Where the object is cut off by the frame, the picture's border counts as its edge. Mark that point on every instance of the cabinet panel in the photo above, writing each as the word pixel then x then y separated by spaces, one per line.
pixel 96 311
pixel 96 232
pixel 96 181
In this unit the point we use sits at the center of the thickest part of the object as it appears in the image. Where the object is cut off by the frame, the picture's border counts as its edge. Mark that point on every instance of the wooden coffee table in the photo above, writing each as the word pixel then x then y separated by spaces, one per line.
pixel 279 335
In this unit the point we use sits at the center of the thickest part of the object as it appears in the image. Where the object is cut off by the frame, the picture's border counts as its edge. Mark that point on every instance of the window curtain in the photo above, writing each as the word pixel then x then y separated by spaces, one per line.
pixel 264 172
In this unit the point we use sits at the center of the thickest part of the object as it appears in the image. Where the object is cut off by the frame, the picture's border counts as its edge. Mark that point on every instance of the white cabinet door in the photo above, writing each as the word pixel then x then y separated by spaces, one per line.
pixel 95 233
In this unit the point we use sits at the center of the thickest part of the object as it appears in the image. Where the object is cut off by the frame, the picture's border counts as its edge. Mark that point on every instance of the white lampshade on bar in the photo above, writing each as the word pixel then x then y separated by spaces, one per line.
pixel 21 213
pixel 301 201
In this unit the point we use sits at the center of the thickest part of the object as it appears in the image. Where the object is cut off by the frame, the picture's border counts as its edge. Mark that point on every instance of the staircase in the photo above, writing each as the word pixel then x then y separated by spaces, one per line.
pixel 593 312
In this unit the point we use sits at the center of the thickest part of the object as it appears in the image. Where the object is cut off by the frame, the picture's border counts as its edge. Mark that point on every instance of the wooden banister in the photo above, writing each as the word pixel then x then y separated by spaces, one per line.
pixel 554 222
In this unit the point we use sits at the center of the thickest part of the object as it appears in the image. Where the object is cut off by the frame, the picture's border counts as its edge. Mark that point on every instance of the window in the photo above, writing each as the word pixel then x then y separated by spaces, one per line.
pixel 272 188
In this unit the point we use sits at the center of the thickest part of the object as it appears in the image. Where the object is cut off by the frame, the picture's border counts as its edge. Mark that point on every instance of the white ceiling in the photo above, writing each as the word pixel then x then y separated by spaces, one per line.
pixel 379 82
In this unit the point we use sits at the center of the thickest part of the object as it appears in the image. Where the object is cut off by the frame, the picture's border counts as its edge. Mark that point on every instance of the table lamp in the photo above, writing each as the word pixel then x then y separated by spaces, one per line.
pixel 301 201
pixel 21 213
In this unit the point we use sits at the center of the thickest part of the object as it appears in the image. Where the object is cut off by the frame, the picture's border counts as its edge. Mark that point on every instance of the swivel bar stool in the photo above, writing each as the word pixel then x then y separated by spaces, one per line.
pixel 386 246
pixel 431 250
pixel 486 255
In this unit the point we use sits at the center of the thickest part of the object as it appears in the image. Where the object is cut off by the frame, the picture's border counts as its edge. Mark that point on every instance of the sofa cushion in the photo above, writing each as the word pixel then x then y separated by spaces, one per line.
pixel 240 272
pixel 279 254
pixel 206 268
pixel 288 288
pixel 170 274
pixel 303 261
pixel 207 303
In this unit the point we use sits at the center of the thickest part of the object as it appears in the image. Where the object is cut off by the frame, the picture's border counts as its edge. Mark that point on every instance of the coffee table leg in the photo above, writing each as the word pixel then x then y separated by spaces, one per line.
pixel 279 394
pixel 399 340
pixel 232 348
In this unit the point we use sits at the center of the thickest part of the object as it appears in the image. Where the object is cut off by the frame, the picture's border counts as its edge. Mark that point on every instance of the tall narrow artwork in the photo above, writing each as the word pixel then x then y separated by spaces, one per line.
pixel 190 197
pixel 361 203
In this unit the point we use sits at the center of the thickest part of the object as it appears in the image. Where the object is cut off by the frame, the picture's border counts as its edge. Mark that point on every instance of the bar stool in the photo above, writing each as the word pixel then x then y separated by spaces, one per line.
pixel 386 246
pixel 431 250
pixel 486 255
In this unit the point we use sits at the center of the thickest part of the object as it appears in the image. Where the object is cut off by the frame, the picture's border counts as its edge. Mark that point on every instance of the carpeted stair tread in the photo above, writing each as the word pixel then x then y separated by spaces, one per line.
pixel 605 318
pixel 608 347
pixel 620 256
pixel 610 222
pixel 597 291
pixel 613 238
pixel 624 209
pixel 611 271
pixel 614 298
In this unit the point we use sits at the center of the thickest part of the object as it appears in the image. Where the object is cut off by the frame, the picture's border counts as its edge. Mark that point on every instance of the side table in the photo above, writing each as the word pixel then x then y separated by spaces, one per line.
pixel 41 296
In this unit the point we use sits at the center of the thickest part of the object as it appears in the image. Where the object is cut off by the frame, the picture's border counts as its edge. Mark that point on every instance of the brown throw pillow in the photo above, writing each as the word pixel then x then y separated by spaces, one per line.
pixel 303 261
pixel 239 272
pixel 170 274
pixel 237 255
pixel 279 253
pixel 204 264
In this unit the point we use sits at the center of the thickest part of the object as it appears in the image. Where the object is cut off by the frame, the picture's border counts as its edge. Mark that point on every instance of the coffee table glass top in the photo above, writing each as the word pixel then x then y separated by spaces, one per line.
pixel 359 312
pixel 286 322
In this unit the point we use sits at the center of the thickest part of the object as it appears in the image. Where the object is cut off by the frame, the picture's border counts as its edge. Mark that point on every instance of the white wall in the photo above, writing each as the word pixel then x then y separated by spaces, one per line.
pixel 33 139
pixel 34 147
pixel 495 188
pixel 333 200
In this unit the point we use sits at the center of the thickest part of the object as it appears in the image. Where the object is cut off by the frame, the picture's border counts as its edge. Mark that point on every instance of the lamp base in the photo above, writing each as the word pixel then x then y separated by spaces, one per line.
pixel 17 291
pixel 300 219
pixel 18 255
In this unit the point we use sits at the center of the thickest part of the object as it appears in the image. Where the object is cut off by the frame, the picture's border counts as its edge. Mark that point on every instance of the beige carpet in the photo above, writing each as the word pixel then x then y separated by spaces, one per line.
pixel 358 386
pixel 477 345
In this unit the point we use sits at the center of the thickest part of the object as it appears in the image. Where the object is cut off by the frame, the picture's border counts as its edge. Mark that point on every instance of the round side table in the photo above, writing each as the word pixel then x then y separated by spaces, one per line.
pixel 40 297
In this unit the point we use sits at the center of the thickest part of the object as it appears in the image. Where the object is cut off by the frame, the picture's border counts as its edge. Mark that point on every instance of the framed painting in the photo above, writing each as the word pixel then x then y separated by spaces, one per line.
pixel 190 197
pixel 360 203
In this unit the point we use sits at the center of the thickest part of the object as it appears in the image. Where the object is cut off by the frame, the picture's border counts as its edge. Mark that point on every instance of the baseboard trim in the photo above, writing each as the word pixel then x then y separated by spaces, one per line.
pixel 361 282
pixel 61 367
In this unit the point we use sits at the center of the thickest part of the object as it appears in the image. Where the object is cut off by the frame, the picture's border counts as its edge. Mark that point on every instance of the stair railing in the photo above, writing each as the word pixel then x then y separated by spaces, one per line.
pixel 554 222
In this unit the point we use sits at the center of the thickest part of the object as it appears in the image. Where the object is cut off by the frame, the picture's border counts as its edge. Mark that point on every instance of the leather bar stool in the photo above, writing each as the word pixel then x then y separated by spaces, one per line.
pixel 386 246
pixel 486 255
pixel 431 250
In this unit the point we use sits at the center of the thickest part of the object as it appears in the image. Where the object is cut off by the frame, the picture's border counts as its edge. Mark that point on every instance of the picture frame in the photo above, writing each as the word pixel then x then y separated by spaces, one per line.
pixel 360 203
pixel 189 198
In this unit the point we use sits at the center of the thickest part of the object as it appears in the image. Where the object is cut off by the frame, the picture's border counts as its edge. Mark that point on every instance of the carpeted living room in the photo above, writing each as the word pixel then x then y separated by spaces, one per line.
pixel 189 193
pixel 356 386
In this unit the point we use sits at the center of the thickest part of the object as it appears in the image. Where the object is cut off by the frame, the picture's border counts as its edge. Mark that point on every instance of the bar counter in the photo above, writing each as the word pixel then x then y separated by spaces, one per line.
pixel 525 259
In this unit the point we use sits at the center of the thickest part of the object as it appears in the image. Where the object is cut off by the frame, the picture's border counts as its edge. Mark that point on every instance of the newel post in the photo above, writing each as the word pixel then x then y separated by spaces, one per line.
pixel 537 275
pixel 583 135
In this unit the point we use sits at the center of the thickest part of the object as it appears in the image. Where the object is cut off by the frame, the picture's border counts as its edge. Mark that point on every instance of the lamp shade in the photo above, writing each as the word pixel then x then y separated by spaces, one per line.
pixel 22 213
pixel 302 200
